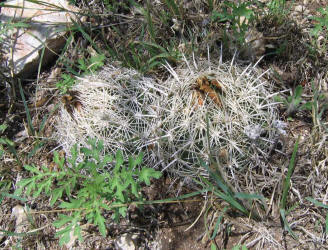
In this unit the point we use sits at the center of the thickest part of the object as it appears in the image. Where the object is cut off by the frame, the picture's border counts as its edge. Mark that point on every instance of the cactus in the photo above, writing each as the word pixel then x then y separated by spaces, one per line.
pixel 167 119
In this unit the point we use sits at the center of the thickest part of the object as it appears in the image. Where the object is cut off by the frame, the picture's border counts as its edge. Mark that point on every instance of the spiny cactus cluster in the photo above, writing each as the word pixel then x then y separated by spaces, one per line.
pixel 168 119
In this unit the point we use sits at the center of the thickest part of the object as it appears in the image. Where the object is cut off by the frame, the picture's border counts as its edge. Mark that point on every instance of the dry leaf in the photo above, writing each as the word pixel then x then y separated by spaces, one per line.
pixel 197 98
pixel 204 85
pixel 71 102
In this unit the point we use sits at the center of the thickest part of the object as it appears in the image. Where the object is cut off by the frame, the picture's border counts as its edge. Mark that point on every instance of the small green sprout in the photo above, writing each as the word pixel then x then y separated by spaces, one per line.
pixel 294 102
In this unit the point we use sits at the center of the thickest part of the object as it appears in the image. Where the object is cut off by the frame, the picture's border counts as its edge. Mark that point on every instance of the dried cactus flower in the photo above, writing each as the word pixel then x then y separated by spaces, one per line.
pixel 162 118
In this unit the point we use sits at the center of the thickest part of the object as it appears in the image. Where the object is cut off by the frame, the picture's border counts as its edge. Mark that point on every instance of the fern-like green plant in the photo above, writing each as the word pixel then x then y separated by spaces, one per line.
pixel 65 83
pixel 87 188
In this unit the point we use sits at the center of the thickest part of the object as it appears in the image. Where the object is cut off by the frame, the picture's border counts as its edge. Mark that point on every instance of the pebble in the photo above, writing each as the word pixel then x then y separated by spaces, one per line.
pixel 126 242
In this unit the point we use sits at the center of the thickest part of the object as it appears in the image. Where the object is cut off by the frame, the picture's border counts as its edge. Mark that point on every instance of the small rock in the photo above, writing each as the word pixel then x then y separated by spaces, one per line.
pixel 126 242
pixel 299 8
pixel 21 221
pixel 54 75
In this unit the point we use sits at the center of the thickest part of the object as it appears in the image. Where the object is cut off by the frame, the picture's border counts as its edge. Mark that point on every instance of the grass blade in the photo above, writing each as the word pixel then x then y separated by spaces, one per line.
pixel 286 225
pixel 35 149
pixel 150 24
pixel 218 222
pixel 210 4
pixel 181 197
pixel 40 63
pixel 320 204
pixel 327 223
pixel 28 115
pixel 226 197
pixel 286 184
pixel 173 7
pixel 44 120
pixel 218 179
pixel 317 203
pixel 86 36
pixel 286 187
pixel 233 202
pixel 248 196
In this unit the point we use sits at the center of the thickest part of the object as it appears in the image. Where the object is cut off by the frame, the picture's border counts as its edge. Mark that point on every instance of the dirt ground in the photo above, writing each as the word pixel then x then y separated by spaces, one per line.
pixel 187 224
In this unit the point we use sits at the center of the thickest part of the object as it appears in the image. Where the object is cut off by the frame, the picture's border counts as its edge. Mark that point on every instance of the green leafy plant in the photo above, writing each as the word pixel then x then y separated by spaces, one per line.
pixel 85 189
pixel 277 8
pixel 239 15
pixel 321 23
pixel 239 247
pixel 320 29
pixel 294 102
pixel 85 66
pixel 65 83
pixel 92 64
pixel 5 186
